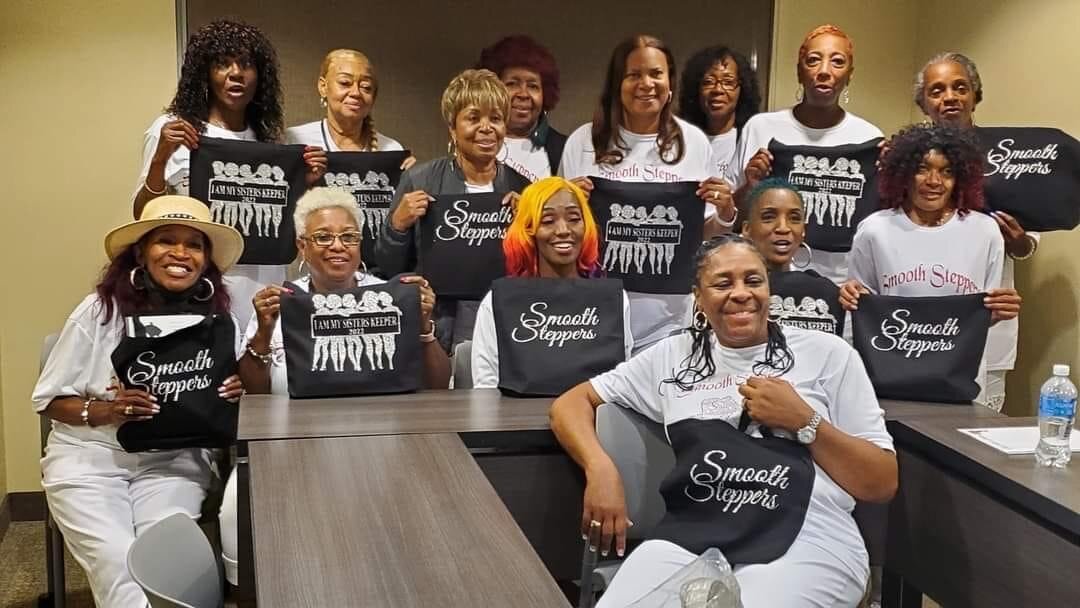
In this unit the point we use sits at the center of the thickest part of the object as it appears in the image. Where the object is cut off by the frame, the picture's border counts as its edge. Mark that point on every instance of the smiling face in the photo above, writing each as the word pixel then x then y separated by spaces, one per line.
pixel 478 133
pixel 348 87
pixel 948 95
pixel 719 92
pixel 560 235
pixel 932 189
pixel 233 81
pixel 646 86
pixel 776 226
pixel 336 264
pixel 526 100
pixel 174 256
pixel 825 69
pixel 733 291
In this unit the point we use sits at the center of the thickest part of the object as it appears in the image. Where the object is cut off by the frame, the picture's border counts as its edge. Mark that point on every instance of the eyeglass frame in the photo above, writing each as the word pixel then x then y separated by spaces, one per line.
pixel 335 236
pixel 705 85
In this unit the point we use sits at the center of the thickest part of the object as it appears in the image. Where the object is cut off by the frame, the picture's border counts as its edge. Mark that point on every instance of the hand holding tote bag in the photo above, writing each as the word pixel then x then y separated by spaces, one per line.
pixel 461 244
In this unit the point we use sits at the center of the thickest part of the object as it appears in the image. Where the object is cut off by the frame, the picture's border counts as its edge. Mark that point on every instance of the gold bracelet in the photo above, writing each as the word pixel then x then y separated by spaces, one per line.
pixel 264 359
pixel 85 414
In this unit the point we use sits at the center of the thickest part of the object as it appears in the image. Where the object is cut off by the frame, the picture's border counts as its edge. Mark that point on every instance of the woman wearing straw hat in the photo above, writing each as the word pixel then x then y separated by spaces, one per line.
pixel 170 260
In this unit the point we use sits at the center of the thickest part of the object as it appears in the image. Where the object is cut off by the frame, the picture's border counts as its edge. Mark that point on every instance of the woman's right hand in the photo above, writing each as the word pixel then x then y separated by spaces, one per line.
pixel 129 405
pixel 175 133
pixel 759 167
pixel 605 503
pixel 267 304
pixel 849 294
pixel 413 206
pixel 584 183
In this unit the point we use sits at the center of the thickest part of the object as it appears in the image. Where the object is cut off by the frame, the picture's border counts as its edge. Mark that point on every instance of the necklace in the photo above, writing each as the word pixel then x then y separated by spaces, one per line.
pixel 945 216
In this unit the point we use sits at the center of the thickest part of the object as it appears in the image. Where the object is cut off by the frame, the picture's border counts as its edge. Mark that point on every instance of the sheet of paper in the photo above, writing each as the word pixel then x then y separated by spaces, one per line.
pixel 1014 439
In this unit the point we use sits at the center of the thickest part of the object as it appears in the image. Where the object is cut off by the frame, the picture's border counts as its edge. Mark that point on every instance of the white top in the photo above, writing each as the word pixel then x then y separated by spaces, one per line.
pixel 279 376
pixel 80 365
pixel 724 147
pixel 474 189
pixel 313 134
pixel 652 316
pixel 782 126
pixel 827 374
pixel 1001 344
pixel 485 343
pixel 525 157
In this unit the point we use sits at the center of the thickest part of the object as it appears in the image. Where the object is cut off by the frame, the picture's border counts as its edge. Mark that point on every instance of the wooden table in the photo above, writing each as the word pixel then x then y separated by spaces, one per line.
pixel 972 526
pixel 403 520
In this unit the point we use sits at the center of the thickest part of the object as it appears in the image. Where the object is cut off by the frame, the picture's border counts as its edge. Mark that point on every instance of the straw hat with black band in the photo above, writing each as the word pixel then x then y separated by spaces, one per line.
pixel 226 244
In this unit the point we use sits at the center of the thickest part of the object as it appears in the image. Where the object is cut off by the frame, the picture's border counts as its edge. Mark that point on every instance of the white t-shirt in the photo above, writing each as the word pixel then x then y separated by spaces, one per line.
pixel 279 377
pixel 317 134
pixel 1001 343
pixel 724 147
pixel 242 280
pixel 827 374
pixel 475 189
pixel 652 316
pixel 485 343
pixel 782 126
pixel 80 365
pixel 525 157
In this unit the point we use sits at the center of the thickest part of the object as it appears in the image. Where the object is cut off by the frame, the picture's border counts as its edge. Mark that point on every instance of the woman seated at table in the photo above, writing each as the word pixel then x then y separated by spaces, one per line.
pixel 474 106
pixel 328 238
pixel 740 393
pixel 101 496
pixel 776 224
pixel 553 235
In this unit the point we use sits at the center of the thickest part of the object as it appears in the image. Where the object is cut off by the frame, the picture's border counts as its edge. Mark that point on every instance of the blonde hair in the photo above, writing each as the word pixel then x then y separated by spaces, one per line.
pixel 481 88
pixel 324 198
pixel 367 128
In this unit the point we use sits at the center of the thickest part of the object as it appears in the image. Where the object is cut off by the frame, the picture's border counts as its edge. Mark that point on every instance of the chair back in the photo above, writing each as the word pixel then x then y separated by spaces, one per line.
pixel 641 452
pixel 463 365
pixel 175 565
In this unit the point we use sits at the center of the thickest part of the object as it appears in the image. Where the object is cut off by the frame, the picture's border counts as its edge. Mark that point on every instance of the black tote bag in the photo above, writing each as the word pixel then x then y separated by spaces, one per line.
pixel 922 349
pixel 181 360
pixel 371 178
pixel 1033 174
pixel 361 341
pixel 253 187
pixel 649 233
pixel 805 299
pixel 838 186
pixel 461 244
pixel 556 333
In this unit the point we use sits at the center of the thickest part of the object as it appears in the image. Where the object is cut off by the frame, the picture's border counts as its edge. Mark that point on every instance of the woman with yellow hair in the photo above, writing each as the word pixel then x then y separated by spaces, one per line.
pixel 553 235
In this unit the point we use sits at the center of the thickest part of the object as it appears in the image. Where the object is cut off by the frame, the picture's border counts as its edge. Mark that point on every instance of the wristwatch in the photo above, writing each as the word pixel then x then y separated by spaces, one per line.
pixel 807 434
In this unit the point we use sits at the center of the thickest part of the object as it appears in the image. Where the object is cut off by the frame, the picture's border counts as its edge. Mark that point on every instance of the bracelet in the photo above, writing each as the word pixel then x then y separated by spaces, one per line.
pixel 265 359
pixel 85 414
pixel 726 223
pixel 1034 246
pixel 430 336
pixel 146 186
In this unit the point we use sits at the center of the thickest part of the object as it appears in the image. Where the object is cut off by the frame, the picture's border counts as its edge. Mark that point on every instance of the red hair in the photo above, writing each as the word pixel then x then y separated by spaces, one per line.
pixel 906 152
pixel 524 52
pixel 823 30
pixel 519 245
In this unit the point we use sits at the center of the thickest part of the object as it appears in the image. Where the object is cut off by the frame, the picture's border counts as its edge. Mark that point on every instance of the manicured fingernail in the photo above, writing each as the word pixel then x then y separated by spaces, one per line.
pixel 584 537
pixel 620 552
pixel 286 290
pixel 153 398
pixel 592 548
pixel 604 553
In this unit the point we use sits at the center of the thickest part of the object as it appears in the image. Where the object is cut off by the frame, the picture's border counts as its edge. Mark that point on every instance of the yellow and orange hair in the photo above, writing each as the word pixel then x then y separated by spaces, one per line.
pixel 519 246
pixel 822 30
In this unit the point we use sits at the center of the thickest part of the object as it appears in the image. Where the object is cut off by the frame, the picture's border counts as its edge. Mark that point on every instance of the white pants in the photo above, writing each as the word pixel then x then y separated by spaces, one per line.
pixel 103 497
pixel 804 577
pixel 228 526
pixel 994 393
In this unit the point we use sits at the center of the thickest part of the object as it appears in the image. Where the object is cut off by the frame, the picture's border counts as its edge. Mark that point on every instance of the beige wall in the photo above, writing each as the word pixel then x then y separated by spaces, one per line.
pixel 81 80
pixel 1026 53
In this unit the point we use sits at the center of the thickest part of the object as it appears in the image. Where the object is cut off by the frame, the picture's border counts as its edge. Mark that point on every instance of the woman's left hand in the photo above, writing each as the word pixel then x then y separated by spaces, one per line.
pixel 427 300
pixel 716 192
pixel 1017 241
pixel 408 163
pixel 316 160
pixel 232 389
pixel 773 402
pixel 511 199
pixel 1004 304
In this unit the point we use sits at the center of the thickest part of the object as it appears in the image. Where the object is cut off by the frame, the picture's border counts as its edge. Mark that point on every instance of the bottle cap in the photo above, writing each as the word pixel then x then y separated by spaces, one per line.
pixel 1060 369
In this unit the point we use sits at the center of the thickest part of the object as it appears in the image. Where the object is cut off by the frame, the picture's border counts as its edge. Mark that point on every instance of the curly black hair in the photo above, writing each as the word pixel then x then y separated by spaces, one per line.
pixel 690 90
pixel 214 43
pixel 906 151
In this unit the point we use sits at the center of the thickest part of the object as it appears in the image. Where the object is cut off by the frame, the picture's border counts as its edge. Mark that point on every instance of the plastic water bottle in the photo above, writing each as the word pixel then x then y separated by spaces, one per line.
pixel 1057 410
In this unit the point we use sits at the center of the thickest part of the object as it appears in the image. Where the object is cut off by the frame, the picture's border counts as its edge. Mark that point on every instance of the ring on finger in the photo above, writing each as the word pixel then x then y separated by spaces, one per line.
pixel 127 410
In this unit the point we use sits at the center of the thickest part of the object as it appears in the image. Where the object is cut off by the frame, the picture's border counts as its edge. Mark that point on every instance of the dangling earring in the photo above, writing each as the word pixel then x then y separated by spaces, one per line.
pixel 141 285
pixel 210 295
pixel 701 322
pixel 809 256
pixel 322 102
pixel 300 268
pixel 451 148
pixel 799 94
pixel 845 97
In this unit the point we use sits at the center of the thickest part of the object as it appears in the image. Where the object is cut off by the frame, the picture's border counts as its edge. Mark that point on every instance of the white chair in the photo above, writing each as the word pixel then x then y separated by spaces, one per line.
pixel 463 365
pixel 175 565
pixel 640 450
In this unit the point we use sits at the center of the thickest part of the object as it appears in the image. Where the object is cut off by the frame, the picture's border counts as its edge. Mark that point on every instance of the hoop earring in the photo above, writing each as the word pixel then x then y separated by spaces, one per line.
pixel 701 322
pixel 451 149
pixel 809 257
pixel 300 268
pixel 845 97
pixel 363 265
pixel 799 94
pixel 210 295
pixel 141 285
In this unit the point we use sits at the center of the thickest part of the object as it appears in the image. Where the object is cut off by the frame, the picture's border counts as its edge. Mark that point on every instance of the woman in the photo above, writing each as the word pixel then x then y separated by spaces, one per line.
pixel 229 89
pixel 474 105
pixel 719 94
pixel 532 146
pixel 347 88
pixel 635 136
pixel 101 496
pixel 825 66
pixel 553 235
pixel 930 183
pixel 947 90
pixel 733 370
pixel 776 224
pixel 328 238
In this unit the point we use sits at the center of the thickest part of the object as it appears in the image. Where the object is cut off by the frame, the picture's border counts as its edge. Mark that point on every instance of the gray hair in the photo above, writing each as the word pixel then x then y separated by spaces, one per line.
pixel 959 58
pixel 324 198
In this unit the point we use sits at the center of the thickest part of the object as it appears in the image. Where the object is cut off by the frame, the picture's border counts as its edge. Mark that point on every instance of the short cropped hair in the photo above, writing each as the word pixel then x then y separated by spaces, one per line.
pixel 919 95
pixel 524 52
pixel 481 88
pixel 324 198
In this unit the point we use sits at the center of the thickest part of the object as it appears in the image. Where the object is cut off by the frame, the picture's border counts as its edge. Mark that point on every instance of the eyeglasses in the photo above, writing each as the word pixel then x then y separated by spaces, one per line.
pixel 326 239
pixel 728 84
